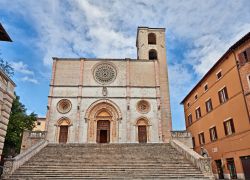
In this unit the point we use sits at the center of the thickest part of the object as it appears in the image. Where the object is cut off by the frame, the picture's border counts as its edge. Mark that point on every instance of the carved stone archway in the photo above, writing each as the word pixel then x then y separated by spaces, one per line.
pixel 96 112
pixel 142 123
pixel 62 129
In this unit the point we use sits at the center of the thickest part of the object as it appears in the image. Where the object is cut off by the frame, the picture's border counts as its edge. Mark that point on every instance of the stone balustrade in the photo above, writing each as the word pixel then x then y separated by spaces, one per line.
pixel 204 164
pixel 183 136
pixel 11 164
pixel 37 134
pixel 30 138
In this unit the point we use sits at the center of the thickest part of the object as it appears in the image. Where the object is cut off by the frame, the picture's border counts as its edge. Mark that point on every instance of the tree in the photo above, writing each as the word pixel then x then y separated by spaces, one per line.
pixel 18 122
pixel 6 67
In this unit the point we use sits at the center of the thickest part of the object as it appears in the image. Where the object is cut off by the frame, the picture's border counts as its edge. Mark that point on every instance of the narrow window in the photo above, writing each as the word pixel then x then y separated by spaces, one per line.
pixel 196 97
pixel 248 79
pixel 201 138
pixel 198 113
pixel 152 54
pixel 193 140
pixel 206 87
pixel 223 96
pixel 188 104
pixel 151 38
pixel 229 127
pixel 219 75
pixel 213 134
pixel 38 123
pixel 190 119
pixel 209 106
pixel 244 57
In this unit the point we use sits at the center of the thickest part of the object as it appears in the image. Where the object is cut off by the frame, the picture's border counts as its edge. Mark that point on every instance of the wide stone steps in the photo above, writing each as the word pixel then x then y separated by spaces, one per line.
pixel 108 161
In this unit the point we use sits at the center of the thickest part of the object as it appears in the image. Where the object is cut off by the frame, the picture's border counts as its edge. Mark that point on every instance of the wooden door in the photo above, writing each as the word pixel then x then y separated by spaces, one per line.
pixel 246 166
pixel 142 134
pixel 103 131
pixel 219 169
pixel 63 136
pixel 103 136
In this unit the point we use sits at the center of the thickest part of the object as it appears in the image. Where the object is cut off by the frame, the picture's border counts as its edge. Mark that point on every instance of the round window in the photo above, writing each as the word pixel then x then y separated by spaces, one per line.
pixel 143 106
pixel 64 106
pixel 104 73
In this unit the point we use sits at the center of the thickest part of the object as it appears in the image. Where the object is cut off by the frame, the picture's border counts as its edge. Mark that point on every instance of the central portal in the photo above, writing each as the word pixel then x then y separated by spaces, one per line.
pixel 103 131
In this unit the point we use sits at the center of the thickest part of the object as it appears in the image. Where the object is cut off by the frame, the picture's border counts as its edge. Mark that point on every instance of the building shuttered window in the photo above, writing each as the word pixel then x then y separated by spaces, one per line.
pixel 209 106
pixel 198 113
pixel 229 127
pixel 244 56
pixel 201 138
pixel 190 119
pixel 223 95
pixel 213 134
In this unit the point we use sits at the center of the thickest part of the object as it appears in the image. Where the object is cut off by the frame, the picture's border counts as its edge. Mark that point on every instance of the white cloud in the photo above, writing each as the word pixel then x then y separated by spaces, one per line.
pixel 21 68
pixel 108 28
pixel 29 79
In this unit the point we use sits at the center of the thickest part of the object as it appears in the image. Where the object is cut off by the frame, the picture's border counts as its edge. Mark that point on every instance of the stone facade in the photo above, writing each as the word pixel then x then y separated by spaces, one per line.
pixel 84 91
pixel 6 98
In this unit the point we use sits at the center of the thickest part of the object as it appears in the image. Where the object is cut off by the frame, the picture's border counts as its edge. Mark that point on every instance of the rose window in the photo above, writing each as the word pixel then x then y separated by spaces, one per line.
pixel 104 73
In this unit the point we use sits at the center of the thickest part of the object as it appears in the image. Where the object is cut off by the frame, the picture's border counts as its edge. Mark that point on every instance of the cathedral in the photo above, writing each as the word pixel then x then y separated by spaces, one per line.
pixel 94 100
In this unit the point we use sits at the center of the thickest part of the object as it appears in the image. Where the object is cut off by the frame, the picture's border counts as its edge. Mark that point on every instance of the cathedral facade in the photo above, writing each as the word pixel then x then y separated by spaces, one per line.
pixel 112 100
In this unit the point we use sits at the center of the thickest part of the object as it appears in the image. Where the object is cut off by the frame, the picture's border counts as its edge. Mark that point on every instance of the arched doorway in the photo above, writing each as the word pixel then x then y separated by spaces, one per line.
pixel 63 125
pixel 142 130
pixel 103 118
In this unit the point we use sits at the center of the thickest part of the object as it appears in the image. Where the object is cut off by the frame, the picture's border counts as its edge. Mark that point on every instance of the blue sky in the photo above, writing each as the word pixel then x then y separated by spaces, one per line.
pixel 198 32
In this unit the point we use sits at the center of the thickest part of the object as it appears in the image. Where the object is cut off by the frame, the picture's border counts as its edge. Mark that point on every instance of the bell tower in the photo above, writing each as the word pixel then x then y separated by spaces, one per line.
pixel 151 46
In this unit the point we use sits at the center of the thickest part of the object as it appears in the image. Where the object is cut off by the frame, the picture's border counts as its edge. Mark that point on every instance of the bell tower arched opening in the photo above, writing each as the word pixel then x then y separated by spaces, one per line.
pixel 151 38
pixel 152 54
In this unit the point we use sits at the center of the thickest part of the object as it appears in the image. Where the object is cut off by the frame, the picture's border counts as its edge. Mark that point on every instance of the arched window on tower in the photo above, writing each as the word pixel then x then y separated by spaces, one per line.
pixel 151 38
pixel 152 54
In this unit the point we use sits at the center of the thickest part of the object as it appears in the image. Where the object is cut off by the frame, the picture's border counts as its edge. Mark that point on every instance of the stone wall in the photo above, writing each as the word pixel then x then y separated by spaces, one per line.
pixel 6 98
pixel 30 138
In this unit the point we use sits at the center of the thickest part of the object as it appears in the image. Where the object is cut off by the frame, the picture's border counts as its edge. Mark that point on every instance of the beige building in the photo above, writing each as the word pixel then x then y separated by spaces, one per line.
pixel 30 138
pixel 217 112
pixel 40 124
pixel 6 98
pixel 112 100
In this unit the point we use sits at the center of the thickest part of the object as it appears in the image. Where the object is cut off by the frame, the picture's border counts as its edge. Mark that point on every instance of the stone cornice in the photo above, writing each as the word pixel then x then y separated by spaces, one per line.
pixel 101 86
pixel 100 97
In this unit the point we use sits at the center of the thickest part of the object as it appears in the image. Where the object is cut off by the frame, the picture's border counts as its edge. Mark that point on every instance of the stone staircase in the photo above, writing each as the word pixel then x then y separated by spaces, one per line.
pixel 107 161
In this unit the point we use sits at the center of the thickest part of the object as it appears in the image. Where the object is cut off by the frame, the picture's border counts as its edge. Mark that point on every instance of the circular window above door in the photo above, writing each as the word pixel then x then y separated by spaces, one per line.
pixel 143 106
pixel 64 106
